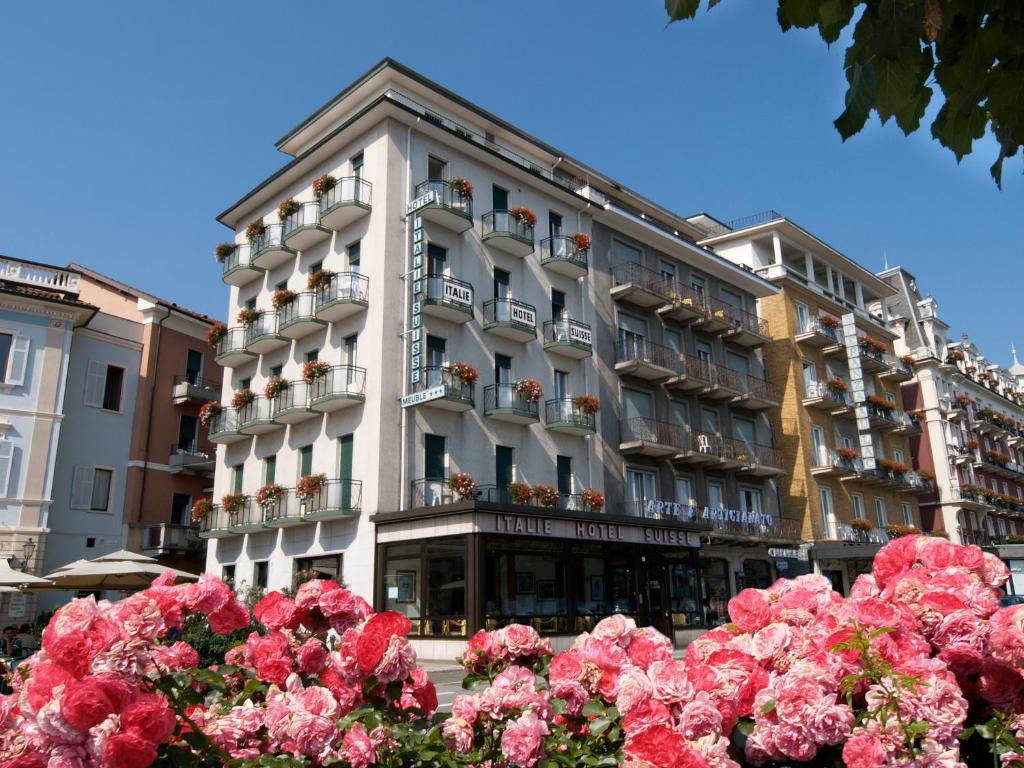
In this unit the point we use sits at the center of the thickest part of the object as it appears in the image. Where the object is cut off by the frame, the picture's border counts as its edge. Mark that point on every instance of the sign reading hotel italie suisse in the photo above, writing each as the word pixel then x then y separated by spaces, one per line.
pixel 415 334
pixel 593 530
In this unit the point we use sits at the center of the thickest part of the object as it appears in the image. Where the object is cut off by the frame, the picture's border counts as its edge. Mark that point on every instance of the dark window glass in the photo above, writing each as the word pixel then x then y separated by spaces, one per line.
pixel 181 507
pixel 101 489
pixel 112 388
pixel 715 573
pixel 260 573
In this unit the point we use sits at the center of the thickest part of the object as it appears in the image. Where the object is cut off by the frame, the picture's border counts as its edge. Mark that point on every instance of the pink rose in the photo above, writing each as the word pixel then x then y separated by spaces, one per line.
pixel 647 646
pixel 669 683
pixel 521 640
pixel 750 609
pixel 522 742
pixel 312 656
pixel 700 717
pixel 864 750
pixel 616 629
pixel 275 611
pixel 358 748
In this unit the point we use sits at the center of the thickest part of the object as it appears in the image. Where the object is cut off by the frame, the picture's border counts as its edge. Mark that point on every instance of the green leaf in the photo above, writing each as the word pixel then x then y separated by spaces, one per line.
pixel 594 707
pixel 769 706
pixel 599 725
pixel 475 682
pixel 681 9
pixel 859 98
pixel 797 13
pixel 833 16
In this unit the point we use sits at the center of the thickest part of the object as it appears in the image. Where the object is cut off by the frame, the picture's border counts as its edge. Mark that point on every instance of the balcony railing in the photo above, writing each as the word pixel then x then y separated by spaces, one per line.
pixel 344 294
pixel 272 240
pixel 643 278
pixel 815 326
pixel 301 309
pixel 749 322
pixel 264 326
pixel 215 523
pixel 443 196
pixel 730 379
pixel 511 313
pixel 828 458
pixel 567 332
pixel 237 267
pixel 644 430
pixel 342 382
pixel 256 415
pixel 503 224
pixel 186 455
pixel 193 388
pixel 39 276
pixel 505 399
pixel 564 411
pixel 348 199
pixel 302 229
pixel 233 342
pixel 834 530
pixel 760 388
pixel 223 424
pixel 449 294
pixel 432 492
pixel 292 402
pixel 560 253
pixel 165 538
pixel 336 498
pixel 458 392
pixel 820 390
pixel 638 350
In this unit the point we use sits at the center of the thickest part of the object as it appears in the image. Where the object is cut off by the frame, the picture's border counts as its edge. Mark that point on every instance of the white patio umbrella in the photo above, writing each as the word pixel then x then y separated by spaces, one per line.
pixel 9 577
pixel 117 571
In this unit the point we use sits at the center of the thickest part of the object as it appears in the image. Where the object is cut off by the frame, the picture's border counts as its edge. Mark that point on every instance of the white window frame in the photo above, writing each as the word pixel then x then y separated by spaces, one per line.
pixel 96 376
pixel 721 487
pixel 6 465
pixel 857 499
pixel 755 493
pixel 692 500
pixel 881 515
pixel 83 476
pixel 17 358
pixel 908 513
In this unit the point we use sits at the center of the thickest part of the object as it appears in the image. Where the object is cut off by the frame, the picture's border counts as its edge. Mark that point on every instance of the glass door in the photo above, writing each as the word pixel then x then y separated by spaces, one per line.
pixel 435 360
pixel 345 443
pixel 503 467
pixel 503 378
pixel 632 337
pixel 658 609
pixel 193 366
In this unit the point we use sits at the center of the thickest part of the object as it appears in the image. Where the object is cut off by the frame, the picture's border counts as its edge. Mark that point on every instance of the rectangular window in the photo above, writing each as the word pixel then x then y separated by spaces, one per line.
pixel 277 370
pixel 313 354
pixel 639 488
pixel 245 383
pixel 437 169
pixel 228 574
pixel 504 467
pixel 502 369
pixel 351 349
pixel 323 567
pixel 193 366
pixel 237 477
pixel 668 272
pixel 908 513
pixel 353 256
pixel 563 471
pixel 260 572
pixel 880 517
pixel 623 254
pixel 499 198
pixel 828 517
pixel 101 490
pixel 502 284
pixel 6 340
pixel 803 317
pixel 716 495
pixel 554 228
pixel 437 259
pixel 181 508
pixel 188 429
pixel 858 505
pixel 557 304
pixel 697 284
pixel 684 490
pixel 6 458
pixel 750 500
pixel 434 457
pixel 305 460
pixel 357 165
pixel 269 469
pixel 818 446
pixel 636 404
pixel 561 385
pixel 674 341
pixel 103 385
pixel 678 413
pixel 709 420
pixel 810 378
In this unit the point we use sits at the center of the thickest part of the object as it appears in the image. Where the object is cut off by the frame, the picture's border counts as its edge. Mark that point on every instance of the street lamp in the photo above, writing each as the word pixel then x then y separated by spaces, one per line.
pixel 27 550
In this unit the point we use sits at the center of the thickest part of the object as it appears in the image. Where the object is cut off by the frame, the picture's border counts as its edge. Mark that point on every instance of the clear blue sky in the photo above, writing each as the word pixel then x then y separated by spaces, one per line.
pixel 127 126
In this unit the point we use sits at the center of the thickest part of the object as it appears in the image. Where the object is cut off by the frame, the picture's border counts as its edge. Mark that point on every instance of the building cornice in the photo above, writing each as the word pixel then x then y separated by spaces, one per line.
pixel 31 307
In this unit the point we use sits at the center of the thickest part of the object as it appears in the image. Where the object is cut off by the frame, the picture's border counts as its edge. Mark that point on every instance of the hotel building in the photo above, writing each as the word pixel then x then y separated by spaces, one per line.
pixel 842 427
pixel 437 300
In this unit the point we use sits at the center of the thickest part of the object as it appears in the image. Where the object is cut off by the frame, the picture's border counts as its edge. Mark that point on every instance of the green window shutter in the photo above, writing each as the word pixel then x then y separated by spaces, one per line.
pixel 305 460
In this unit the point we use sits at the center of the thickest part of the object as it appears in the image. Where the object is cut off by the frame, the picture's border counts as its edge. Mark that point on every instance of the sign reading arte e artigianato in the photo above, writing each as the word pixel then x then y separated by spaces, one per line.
pixel 656 507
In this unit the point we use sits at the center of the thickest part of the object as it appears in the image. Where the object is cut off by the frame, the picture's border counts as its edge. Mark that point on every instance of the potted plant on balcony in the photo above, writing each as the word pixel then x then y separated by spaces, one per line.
pixel 315 369
pixel 283 296
pixel 972 445
pixel 939 534
pixel 242 398
pixel 521 493
pixel 523 215
pixel 269 494
pixel 201 509
pixel 829 321
pixel 588 404
pixel 581 241
pixel 871 344
pixel 847 454
pixel 891 465
pixel 896 530
pixel 232 502
pixel 208 411
pixel 881 402
pixel 217 332
pixel 287 208
pixel 274 387
pixel 464 372
pixel 320 279
pixel 861 524
pixel 310 486
pixel 255 231
pixel 247 315
pixel 964 400
pixel 463 485
pixel 907 360
pixel 223 250
pixel 462 187
pixel 546 495
pixel 915 415
pixel 593 501
pixel 323 184
pixel 954 356
pixel 926 474
pixel 836 385
pixel 530 390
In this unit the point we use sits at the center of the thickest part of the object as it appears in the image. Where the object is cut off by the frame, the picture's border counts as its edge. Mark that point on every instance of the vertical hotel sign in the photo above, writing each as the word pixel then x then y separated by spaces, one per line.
pixel 860 404
pixel 419 246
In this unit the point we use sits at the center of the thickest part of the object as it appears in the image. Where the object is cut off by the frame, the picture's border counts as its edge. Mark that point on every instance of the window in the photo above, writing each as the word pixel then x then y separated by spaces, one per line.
pixel 101 490
pixel 228 574
pixel 502 369
pixel 745 431
pixel 750 500
pixel 502 284
pixel 181 508
pixel 237 477
pixel 697 284
pixel 437 169
pixel 557 304
pixel 6 458
pixel 803 316
pixel 908 513
pixel 715 576
pixel 357 165
pixel 820 458
pixel 499 198
pixel 437 259
pixel 678 414
pixel 350 348
pixel 188 429
pixel 269 469
pixel 563 471
pixel 245 383
pixel 810 378
pixel 554 228
pixel 623 254
pixel 316 268
pixel 897 455
pixel 90 542
pixel 636 404
pixel 103 386
pixel 324 567
pixel 880 517
pixel 353 256
pixel 684 490
pixel 668 272
pixel 305 460
pixel 504 467
pixel 828 517
pixel 90 488
pixel 757 574
pixel 193 366
pixel 561 385
pixel 716 494
pixel 277 370
pixel 674 341
pixel 434 454
pixel 709 420
pixel 313 354
pixel 6 342
pixel 260 572
pixel 858 505
pixel 639 488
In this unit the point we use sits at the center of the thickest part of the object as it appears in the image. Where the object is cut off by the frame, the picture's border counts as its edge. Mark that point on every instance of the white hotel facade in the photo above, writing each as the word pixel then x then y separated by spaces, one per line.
pixel 662 332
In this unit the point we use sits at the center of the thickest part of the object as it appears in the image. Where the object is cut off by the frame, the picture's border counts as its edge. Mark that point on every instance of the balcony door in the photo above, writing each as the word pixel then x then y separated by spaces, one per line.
pixel 345 448
pixel 632 337
pixel 684 491
pixel 437 169
pixel 563 472
pixel 750 500
pixel 503 470
pixel 181 509
pixel 435 360
pixel 716 494
pixel 503 376
pixel 561 385
pixel 557 305
pixel 703 351
pixel 502 284
pixel 434 455
pixel 193 366
pixel 187 431
pixel 818 446
pixel 745 431
pixel 810 378
pixel 555 232
pixel 639 488
pixel 499 198
pixel 636 404
pixel 803 317
pixel 437 259
pixel 828 513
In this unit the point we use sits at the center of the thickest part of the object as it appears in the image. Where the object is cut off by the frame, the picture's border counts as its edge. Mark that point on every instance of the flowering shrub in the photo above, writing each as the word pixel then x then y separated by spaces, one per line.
pixel 529 390
pixel 861 524
pixel 315 369
pixel 896 530
pixel 248 315
pixel 523 215
pixel 997 457
pixel 269 494
pixel 593 501
pixel 881 402
pixel 849 454
pixel 521 493
pixel 954 356
pixel 323 184
pixel 463 484
pixel 274 387
pixel 587 403
pixel 464 372
pixel 223 250
pixel 462 187
pixel 964 399
pixel 320 279
pixel 232 502
pixel 255 231
pixel 546 495
pixel 282 296
pixel 891 465
pixel 287 208
pixel 309 486
pixel 201 509
pixel 217 332
pixel 242 398
pixel 908 360
pixel 581 241
pixel 207 411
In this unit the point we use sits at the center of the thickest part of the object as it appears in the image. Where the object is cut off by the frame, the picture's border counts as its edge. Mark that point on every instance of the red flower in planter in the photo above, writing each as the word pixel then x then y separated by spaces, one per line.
pixel 546 495
pixel 318 279
pixel 242 398
pixel 463 484
pixel 315 369
pixel 462 187
pixel 592 500
pixel 530 390
pixel 287 208
pixel 217 332
pixel 269 494
pixel 208 411
pixel 524 215
pixel 587 403
pixel 309 486
pixel 521 493
pixel 464 372
pixel 255 231
pixel 223 250
pixel 323 184
pixel 581 241
pixel 201 509
pixel 275 386
pixel 283 296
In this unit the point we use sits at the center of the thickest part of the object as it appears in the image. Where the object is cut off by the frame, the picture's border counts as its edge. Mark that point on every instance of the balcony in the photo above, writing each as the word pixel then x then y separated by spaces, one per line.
pixel 170 539
pixel 448 299
pixel 443 389
pixel 881 417
pixel 249 517
pixel 283 512
pixel 269 250
pixel 347 201
pixel 292 405
pixel 726 384
pixel 193 390
pixel 819 396
pixel 641 286
pixel 698 447
pixel 297 318
pixel 818 333
pixel 848 536
pixel 230 350
pixel 215 524
pixel 343 387
pixel 750 330
pixel 506 232
pixel 444 206
pixel 569 338
pixel 511 319
pixel 757 460
pixel 560 254
pixel 720 317
pixel 565 416
pixel 827 462
pixel 686 305
pixel 185 457
pixel 237 267
pixel 223 428
pixel 343 295
pixel 502 402
pixel 912 482
pixel 302 229
pixel 262 336
pixel 257 417
pixel 647 437
pixel 695 375
pixel 758 394
pixel 905 424
pixel 336 499
pixel 872 359
pixel 897 371
pixel 636 356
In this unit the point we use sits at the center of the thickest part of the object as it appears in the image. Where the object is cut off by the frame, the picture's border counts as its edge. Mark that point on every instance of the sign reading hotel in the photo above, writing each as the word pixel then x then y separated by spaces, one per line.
pixel 522 315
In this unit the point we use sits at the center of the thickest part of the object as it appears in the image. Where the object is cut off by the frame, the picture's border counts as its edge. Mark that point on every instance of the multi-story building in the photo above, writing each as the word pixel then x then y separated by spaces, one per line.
pixel 40 308
pixel 842 428
pixel 131 460
pixel 973 440
pixel 416 243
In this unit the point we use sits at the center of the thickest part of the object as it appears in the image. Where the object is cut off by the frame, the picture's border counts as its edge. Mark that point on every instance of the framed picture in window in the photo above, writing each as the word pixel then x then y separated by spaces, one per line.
pixel 525 584
pixel 546 589
pixel 597 588
pixel 406 587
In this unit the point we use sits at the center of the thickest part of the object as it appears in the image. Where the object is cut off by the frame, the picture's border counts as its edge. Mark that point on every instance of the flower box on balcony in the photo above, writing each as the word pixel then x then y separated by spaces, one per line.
pixel 319 279
pixel 255 231
pixel 462 187
pixel 315 369
pixel 269 494
pixel 521 493
pixel 208 412
pixel 309 486
pixel 464 372
pixel 201 509
pixel 223 250
pixel 275 386
pixel 323 184
pixel 546 495
pixel 593 501
pixel 232 502
pixel 242 398
pixel 530 390
pixel 217 332
pixel 287 208
pixel 283 296
pixel 247 315
pixel 588 404
pixel 524 215
pixel 463 484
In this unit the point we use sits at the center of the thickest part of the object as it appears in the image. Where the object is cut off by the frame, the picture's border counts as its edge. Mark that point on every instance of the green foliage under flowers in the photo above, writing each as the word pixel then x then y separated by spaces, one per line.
pixel 211 647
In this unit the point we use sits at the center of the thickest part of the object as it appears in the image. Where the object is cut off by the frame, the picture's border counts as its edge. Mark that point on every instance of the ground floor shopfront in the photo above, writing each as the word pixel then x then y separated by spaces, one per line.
pixel 462 567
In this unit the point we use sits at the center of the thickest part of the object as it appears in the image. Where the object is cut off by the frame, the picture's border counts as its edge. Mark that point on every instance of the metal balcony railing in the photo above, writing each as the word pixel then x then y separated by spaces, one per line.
pixel 232 341
pixel 340 380
pixel 630 272
pixel 562 248
pixel 445 196
pixel 637 349
pixel 302 307
pixel 344 286
pixel 567 331
pixel 348 190
pixel 503 223
pixel 505 397
pixel 564 410
pixel 308 215
pixel 642 429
